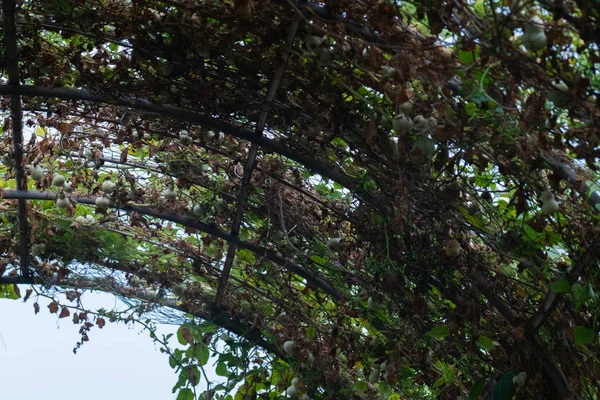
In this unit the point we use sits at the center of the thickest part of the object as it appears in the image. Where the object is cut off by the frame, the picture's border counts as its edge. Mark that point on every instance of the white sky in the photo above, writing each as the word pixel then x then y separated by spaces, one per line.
pixel 119 361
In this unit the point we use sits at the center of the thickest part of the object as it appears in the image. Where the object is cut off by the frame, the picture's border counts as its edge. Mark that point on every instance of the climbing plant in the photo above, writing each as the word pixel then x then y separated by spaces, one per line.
pixel 342 199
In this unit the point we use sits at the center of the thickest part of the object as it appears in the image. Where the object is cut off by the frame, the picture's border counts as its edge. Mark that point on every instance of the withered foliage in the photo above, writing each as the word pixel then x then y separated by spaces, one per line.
pixel 274 123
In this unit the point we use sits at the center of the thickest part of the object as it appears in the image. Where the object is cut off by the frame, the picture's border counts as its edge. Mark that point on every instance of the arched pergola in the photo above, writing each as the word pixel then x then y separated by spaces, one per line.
pixel 365 190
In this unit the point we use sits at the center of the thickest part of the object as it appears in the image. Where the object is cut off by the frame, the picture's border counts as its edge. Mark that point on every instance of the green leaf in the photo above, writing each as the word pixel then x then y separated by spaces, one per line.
pixel 310 332
pixel 560 286
pixel 202 353
pixel 465 57
pixel 477 389
pixel 8 292
pixel 439 331
pixel 505 388
pixel 583 335
pixel 384 388
pixel 475 220
pixel 485 343
pixel 221 369
pixel 185 394
pixel 246 256
pixel 579 293
pixel 470 108
pixel 440 382
pixel 361 386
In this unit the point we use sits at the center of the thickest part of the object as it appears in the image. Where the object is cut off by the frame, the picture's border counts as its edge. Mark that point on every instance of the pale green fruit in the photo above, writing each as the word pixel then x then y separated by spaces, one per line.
pixel 38 249
pixel 87 220
pixel 68 188
pixel 295 381
pixel 7 160
pixel 37 173
pixel 292 391
pixel 102 202
pixel 108 187
pixel 402 123
pixel 304 397
pixel 406 107
pixel 372 304
pixel 333 245
pixel 388 72
pixel 282 317
pixel 534 40
pixel 179 290
pixel 62 202
pixel 199 210
pixel 289 346
pixel 313 43
pixel 169 194
pixel 374 376
pixel 184 139
pixel 420 124
pixel 549 203
pixel 426 146
pixel 58 180
pixel 209 135
pixel 519 380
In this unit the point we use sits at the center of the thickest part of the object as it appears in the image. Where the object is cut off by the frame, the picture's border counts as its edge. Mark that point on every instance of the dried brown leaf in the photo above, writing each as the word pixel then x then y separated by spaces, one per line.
pixel 53 307
pixel 64 313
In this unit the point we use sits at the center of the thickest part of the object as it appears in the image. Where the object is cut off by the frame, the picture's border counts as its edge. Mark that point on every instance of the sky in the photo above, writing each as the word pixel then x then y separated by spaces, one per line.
pixel 119 362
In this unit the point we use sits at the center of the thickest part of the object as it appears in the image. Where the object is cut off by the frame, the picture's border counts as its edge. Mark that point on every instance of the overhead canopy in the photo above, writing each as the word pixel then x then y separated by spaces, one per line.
pixel 402 182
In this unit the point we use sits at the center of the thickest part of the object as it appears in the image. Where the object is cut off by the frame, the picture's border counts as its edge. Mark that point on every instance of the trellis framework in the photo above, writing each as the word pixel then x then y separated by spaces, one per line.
pixel 256 83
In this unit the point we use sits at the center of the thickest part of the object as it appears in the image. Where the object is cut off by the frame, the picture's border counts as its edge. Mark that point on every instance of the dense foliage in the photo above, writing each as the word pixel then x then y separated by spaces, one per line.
pixel 348 199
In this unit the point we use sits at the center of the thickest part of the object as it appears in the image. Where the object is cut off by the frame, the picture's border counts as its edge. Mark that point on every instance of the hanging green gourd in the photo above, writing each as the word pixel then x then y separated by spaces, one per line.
pixel 170 193
pixel 62 201
pixel 534 38
pixel 549 203
pixel 402 123
pixel 58 180
pixel 37 173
